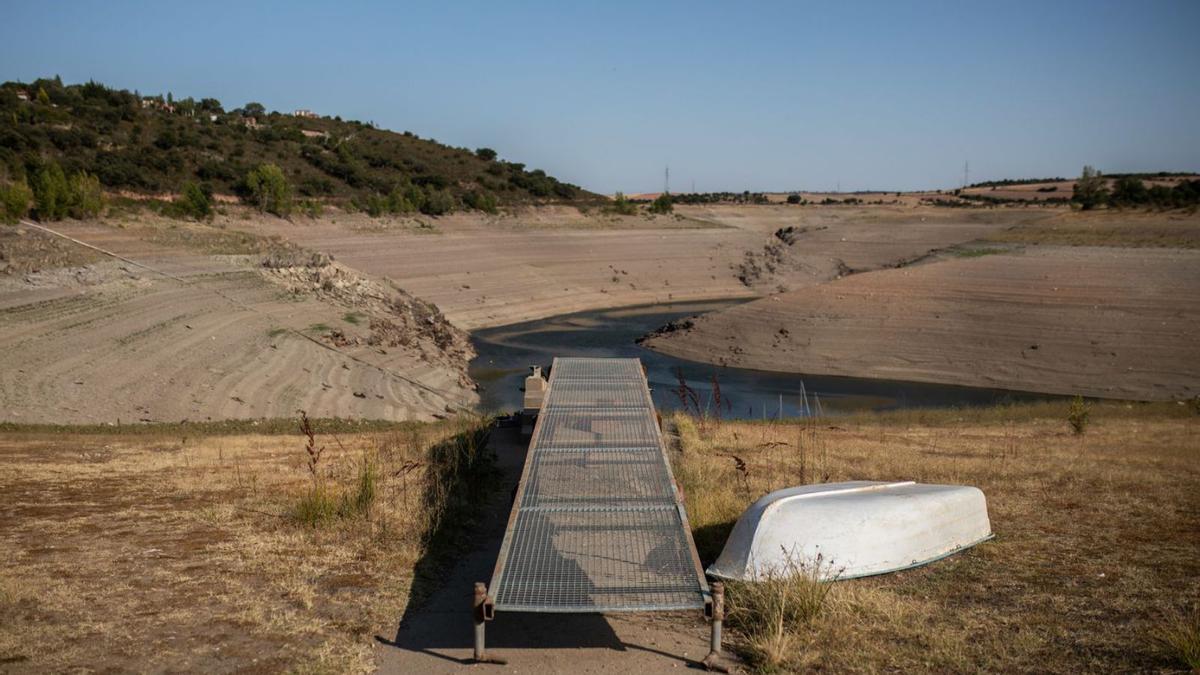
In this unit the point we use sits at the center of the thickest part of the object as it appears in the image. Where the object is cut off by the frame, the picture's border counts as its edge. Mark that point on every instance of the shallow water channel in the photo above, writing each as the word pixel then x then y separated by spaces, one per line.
pixel 506 352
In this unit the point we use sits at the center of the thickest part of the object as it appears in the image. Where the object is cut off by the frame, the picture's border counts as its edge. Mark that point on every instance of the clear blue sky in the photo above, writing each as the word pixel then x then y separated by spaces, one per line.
pixel 891 95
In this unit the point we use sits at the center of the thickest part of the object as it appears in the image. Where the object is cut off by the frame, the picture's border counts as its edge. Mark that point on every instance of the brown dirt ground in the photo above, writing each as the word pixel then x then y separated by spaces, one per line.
pixel 1109 322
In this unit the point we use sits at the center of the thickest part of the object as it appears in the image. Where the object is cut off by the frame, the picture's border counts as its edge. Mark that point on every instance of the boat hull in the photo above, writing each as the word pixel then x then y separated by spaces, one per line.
pixel 853 529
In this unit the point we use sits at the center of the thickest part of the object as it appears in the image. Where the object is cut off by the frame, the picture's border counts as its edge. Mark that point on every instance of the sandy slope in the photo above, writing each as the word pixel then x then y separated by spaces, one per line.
pixel 1106 322
pixel 113 342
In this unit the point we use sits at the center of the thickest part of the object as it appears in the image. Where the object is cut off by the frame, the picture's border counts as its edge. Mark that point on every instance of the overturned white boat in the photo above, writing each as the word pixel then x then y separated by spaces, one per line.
pixel 852 529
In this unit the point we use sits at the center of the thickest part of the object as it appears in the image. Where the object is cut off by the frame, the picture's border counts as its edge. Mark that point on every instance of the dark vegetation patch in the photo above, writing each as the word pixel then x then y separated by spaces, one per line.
pixel 154 145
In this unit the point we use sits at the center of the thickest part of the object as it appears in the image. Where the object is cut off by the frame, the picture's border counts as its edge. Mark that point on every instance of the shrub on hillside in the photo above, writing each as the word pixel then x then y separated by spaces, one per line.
pixel 15 199
pixel 662 204
pixel 622 206
pixel 312 208
pixel 1129 191
pixel 438 202
pixel 55 196
pixel 269 191
pixel 85 199
pixel 195 201
pixel 399 201
pixel 481 201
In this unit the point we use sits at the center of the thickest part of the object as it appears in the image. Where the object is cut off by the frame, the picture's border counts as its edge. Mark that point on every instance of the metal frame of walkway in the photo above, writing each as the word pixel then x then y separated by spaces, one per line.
pixel 598 524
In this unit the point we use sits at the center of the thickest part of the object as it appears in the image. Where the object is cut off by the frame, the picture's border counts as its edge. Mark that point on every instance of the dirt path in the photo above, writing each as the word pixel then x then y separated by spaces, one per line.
pixel 436 636
pixel 1107 322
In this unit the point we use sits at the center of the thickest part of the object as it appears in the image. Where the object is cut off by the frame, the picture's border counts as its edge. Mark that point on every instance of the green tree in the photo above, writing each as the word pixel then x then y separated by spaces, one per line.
pixel 51 192
pixel 42 97
pixel 269 190
pixel 1090 189
pixel 486 154
pixel 195 201
pixel 15 199
pixel 253 109
pixel 85 197
pixel 662 204
pixel 1129 191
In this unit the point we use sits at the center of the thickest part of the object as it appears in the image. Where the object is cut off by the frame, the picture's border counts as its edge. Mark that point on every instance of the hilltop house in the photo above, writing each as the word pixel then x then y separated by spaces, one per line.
pixel 304 112
pixel 153 102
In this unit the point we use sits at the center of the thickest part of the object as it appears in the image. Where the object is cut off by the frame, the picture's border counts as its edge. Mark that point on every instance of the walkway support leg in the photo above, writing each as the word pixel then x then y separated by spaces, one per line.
pixel 480 613
pixel 713 660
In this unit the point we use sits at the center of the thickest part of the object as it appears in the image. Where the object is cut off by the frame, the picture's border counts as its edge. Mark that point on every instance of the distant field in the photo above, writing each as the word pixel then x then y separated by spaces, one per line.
pixel 1136 229
pixel 1096 555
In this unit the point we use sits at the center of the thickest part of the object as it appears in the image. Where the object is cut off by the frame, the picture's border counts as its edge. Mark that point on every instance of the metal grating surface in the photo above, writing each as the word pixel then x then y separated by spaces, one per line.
pixel 597 526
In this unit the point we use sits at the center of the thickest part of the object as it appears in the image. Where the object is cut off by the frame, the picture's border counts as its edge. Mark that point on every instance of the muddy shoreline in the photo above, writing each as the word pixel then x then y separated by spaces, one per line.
pixel 504 354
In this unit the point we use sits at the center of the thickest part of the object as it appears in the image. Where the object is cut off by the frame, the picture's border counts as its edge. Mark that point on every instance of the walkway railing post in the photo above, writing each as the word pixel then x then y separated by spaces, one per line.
pixel 479 618
pixel 712 661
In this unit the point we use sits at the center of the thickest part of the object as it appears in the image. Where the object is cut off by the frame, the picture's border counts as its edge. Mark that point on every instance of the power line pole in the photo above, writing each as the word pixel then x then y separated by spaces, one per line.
pixel 966 173
pixel 667 180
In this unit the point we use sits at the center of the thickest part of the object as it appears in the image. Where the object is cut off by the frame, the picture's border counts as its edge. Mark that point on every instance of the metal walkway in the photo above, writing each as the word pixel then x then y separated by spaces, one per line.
pixel 598 525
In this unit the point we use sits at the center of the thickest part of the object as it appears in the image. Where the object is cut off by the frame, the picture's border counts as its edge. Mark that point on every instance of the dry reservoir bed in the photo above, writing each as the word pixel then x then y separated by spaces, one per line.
pixel 1109 322
pixel 224 337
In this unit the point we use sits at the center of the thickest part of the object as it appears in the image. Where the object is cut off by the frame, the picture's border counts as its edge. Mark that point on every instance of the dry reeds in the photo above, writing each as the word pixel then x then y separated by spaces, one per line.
pixel 771 611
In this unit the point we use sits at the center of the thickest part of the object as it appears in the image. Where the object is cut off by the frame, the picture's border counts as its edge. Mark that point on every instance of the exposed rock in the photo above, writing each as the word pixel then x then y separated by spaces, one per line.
pixel 396 318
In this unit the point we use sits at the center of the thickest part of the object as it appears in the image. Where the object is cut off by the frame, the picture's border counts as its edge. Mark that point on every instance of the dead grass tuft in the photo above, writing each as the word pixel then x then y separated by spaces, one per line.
pixel 772 611
pixel 1179 637
pixel 1077 415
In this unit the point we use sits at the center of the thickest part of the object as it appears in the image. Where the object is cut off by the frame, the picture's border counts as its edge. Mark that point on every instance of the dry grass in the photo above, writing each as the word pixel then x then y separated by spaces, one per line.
pixel 1157 229
pixel 1096 556
pixel 772 612
pixel 1179 638
pixel 184 551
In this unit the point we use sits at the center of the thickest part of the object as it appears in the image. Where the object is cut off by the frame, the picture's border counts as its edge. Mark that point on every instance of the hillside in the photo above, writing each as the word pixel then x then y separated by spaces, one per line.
pixel 154 145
